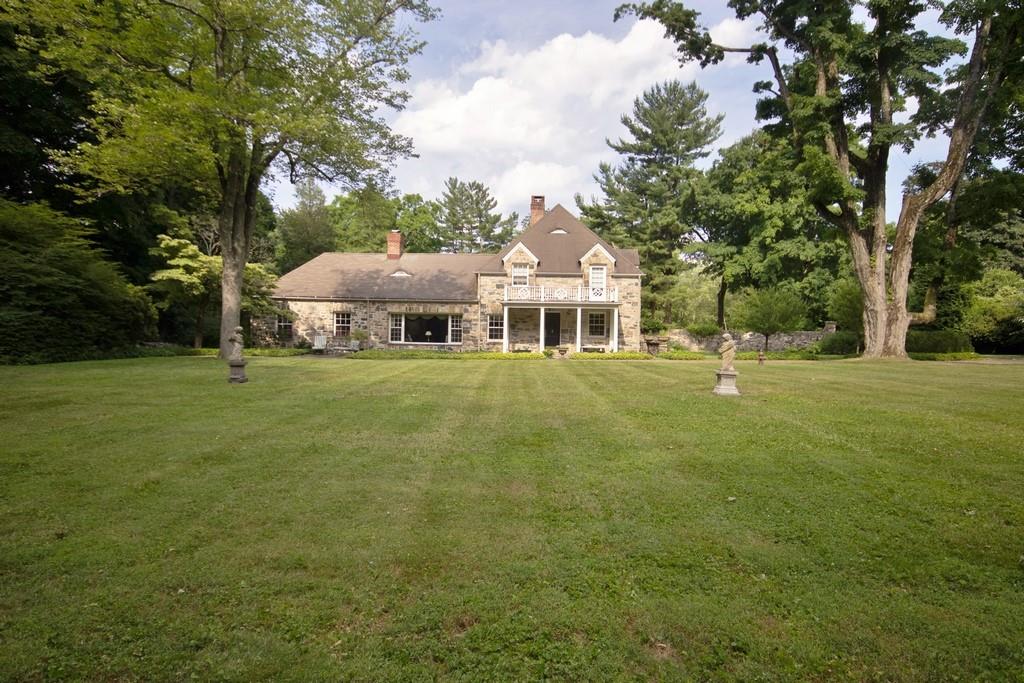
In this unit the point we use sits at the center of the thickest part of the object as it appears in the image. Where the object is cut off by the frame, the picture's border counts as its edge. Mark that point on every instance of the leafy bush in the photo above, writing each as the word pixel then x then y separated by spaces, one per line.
pixel 684 355
pixel 381 354
pixel 995 316
pixel 548 353
pixel 938 341
pixel 840 343
pixel 962 355
pixel 703 329
pixel 618 355
pixel 769 311
pixel 846 305
pixel 60 299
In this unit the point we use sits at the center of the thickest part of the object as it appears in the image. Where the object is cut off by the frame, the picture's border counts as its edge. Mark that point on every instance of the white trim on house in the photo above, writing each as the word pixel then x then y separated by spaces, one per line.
pixel 597 246
pixel 520 245
pixel 520 270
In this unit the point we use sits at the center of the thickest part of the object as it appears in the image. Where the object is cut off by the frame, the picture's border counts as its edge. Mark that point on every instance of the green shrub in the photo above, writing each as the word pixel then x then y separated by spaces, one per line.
pixel 618 355
pixel 703 329
pixel 410 354
pixel 548 353
pixel 60 299
pixel 684 355
pixel 938 341
pixel 961 355
pixel 840 343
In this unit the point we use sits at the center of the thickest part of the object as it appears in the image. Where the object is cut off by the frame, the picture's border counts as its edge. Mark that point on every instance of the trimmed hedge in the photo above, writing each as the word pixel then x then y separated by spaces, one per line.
pixel 380 354
pixel 960 355
pixel 840 343
pixel 685 355
pixel 938 341
pixel 618 355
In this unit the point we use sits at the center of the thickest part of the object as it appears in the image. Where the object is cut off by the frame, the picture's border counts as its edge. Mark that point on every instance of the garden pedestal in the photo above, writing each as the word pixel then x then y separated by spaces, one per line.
pixel 726 385
pixel 237 371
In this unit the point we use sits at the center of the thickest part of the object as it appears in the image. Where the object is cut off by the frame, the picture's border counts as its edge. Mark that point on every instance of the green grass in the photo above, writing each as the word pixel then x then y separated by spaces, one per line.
pixel 416 520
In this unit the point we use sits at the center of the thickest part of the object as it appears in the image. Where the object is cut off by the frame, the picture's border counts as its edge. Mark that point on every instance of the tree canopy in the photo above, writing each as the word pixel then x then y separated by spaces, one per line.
pixel 840 99
pixel 220 91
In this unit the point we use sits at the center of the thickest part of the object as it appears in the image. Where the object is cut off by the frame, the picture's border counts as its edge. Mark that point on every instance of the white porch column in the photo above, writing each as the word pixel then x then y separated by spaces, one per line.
pixel 615 329
pixel 579 329
pixel 504 332
pixel 542 329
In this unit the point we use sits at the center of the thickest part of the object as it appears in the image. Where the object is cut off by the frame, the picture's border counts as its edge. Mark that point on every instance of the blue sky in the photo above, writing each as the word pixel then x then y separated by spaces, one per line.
pixel 522 96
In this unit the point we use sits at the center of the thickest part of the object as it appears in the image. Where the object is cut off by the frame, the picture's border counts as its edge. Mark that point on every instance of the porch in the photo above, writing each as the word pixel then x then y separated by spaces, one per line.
pixel 579 327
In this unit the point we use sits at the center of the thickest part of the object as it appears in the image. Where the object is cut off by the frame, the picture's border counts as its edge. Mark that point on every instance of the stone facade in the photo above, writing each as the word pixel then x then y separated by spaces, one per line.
pixel 479 282
pixel 317 317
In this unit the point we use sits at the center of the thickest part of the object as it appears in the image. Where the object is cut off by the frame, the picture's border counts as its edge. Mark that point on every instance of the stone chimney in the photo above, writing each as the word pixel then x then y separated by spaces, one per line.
pixel 395 244
pixel 536 208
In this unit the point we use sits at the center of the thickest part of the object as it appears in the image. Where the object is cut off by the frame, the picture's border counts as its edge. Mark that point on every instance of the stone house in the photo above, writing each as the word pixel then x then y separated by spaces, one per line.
pixel 557 284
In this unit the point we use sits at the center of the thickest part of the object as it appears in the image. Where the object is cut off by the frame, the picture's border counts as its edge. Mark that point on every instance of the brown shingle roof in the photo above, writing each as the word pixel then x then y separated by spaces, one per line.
pixel 431 277
pixel 560 252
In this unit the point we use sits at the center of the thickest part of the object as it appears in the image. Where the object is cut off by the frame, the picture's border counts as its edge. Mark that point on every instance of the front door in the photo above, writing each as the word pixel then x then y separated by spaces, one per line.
pixel 552 328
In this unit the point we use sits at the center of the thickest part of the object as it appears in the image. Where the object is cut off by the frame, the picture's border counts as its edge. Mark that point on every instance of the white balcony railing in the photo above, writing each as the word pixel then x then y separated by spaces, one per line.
pixel 557 294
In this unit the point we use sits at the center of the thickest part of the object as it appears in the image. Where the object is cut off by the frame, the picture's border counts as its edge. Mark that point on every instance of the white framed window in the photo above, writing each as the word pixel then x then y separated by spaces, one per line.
pixel 599 276
pixel 342 324
pixel 596 324
pixel 425 328
pixel 397 328
pixel 520 274
pixel 284 326
pixel 495 327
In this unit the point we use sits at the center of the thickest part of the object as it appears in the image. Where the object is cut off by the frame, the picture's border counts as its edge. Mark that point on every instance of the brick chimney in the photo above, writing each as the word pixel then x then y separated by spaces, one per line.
pixel 395 244
pixel 536 208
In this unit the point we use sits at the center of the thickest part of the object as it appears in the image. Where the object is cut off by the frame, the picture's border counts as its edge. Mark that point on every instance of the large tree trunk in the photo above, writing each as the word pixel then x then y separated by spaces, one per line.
pixel 240 180
pixel 231 302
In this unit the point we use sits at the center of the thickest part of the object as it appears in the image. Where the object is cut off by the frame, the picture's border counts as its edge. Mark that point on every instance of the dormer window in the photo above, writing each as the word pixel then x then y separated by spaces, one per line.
pixel 400 273
pixel 559 231
pixel 520 274
pixel 599 276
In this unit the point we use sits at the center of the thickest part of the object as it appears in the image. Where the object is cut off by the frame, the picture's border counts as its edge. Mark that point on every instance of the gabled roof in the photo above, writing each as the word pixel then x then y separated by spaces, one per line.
pixel 411 277
pixel 559 240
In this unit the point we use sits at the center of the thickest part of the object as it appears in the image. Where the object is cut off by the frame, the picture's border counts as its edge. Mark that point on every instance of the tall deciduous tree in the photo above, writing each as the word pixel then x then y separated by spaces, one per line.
pixel 649 197
pixel 305 231
pixel 419 221
pixel 770 311
pixel 468 220
pixel 220 91
pixel 362 219
pixel 756 228
pixel 840 100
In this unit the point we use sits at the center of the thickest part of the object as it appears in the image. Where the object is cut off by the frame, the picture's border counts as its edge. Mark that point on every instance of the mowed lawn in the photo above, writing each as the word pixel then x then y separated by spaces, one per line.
pixel 498 520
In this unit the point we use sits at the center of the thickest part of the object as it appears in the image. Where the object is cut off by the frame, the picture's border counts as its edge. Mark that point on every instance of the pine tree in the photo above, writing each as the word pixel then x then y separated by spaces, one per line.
pixel 649 197
pixel 468 220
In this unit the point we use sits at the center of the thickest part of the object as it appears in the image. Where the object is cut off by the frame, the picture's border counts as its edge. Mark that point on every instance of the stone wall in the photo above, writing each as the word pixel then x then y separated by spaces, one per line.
pixel 751 341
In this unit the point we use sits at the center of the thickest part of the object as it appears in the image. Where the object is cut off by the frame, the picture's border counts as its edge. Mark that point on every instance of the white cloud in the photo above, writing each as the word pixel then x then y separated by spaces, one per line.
pixel 532 121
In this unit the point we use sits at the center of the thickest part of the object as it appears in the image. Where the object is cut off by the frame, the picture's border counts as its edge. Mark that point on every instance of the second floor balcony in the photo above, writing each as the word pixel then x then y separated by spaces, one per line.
pixel 560 294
